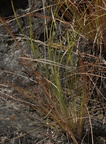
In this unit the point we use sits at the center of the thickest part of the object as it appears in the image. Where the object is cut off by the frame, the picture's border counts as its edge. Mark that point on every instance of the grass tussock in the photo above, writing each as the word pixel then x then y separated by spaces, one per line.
pixel 62 84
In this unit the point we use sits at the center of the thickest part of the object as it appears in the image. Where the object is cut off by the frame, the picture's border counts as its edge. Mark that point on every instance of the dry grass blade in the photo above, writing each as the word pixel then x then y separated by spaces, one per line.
pixel 88 18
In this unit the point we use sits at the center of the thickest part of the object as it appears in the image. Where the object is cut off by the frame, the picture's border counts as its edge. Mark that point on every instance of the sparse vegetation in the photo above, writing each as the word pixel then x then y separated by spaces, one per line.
pixel 66 75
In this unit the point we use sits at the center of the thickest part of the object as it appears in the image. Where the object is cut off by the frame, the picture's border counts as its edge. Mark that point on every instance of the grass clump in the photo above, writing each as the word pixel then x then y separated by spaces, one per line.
pixel 63 83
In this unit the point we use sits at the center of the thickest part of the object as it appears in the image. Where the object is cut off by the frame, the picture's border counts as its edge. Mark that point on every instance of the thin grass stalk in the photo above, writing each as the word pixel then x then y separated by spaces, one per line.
pixel 31 35
pixel 19 25
pixel 16 18
pixel 84 99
